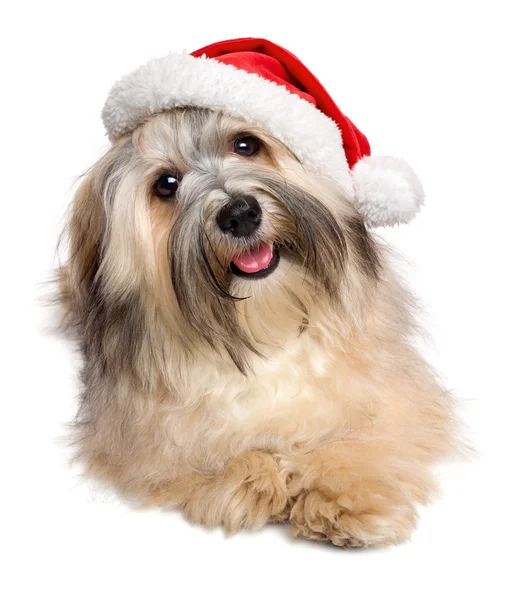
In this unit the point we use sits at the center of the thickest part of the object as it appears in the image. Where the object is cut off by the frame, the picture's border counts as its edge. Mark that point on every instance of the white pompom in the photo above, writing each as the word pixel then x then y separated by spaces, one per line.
pixel 387 191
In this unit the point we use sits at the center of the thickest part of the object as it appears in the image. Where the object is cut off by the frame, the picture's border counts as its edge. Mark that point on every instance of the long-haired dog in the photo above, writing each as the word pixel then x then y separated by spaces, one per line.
pixel 247 346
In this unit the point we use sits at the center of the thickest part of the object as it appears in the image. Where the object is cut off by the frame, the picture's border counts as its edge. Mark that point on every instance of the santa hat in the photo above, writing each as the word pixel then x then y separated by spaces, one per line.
pixel 269 87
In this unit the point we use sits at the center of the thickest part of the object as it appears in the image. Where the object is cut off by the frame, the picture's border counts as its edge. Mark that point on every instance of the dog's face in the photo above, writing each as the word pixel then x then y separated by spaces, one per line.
pixel 214 229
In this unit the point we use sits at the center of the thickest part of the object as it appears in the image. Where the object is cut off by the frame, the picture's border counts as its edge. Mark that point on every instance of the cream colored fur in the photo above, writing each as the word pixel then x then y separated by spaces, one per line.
pixel 334 427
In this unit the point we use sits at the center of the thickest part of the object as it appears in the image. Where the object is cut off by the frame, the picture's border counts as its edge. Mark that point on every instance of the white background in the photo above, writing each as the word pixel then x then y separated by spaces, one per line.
pixel 438 83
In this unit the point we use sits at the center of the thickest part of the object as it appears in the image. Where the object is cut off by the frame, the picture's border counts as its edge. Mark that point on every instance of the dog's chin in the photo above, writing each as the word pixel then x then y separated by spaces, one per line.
pixel 258 263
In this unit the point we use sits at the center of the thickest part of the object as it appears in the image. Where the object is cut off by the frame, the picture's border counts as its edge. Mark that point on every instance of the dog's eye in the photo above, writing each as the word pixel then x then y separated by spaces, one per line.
pixel 166 186
pixel 247 146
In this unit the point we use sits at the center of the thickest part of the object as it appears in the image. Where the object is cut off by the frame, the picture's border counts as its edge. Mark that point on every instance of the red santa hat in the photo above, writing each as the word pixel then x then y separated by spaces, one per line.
pixel 269 87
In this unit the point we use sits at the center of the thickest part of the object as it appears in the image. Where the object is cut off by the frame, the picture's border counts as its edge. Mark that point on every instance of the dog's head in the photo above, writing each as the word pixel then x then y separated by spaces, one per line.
pixel 201 227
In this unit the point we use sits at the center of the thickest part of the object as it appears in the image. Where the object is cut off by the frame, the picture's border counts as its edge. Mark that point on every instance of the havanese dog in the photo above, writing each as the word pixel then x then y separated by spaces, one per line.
pixel 248 349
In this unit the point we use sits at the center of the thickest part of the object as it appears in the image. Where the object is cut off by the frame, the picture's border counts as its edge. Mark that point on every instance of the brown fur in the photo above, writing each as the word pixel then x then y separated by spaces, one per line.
pixel 299 396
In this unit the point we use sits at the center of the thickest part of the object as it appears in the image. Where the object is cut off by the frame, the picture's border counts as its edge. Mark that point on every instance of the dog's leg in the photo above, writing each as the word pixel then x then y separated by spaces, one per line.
pixel 248 493
pixel 356 494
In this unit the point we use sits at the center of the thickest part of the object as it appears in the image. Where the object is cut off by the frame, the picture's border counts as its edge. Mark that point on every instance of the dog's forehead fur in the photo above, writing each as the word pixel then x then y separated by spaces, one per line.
pixel 192 139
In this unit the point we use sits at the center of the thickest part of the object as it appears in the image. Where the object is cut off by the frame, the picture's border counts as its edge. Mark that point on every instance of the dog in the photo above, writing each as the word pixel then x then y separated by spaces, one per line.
pixel 248 348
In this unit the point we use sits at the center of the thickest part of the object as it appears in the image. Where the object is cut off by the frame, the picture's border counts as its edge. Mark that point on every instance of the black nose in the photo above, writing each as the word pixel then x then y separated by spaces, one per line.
pixel 241 217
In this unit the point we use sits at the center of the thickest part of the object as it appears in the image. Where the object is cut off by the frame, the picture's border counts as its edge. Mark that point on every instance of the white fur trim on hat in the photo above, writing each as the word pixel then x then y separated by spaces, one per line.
pixel 178 80
pixel 387 191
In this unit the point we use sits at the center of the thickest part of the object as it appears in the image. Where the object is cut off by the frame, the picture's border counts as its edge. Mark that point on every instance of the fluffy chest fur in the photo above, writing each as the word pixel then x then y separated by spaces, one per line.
pixel 291 401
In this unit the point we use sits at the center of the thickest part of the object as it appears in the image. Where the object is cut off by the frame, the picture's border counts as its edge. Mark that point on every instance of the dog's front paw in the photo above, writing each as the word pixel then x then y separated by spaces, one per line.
pixel 260 498
pixel 249 493
pixel 346 522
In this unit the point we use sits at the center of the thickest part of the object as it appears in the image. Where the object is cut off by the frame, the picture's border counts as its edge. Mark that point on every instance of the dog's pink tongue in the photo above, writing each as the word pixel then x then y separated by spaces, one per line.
pixel 254 260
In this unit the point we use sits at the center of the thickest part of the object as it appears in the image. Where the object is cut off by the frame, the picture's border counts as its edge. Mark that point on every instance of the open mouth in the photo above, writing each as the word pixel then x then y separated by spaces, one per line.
pixel 256 263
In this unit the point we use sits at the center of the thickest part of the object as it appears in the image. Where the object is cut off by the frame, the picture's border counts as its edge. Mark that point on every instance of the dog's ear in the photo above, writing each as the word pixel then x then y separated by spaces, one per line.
pixel 108 327
pixel 84 234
